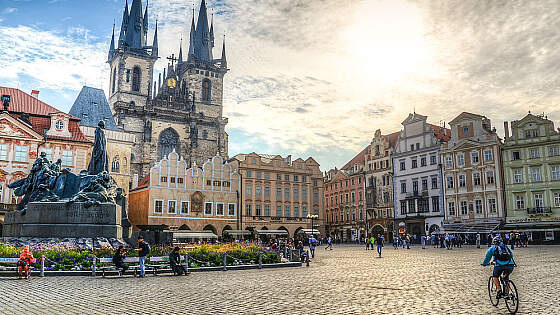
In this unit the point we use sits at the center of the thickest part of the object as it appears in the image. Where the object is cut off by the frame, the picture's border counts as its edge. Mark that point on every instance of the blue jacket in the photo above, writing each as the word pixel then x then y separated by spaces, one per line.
pixel 490 254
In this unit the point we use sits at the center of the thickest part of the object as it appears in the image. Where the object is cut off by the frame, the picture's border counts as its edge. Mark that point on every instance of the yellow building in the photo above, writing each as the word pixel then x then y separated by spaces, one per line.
pixel 279 194
pixel 175 197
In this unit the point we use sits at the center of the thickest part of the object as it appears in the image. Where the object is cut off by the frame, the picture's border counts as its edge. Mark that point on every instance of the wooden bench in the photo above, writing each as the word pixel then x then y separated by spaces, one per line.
pixel 153 263
pixel 127 260
pixel 13 261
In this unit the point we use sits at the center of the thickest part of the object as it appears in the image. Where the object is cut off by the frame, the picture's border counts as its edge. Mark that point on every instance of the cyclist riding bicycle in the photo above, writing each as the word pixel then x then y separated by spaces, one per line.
pixel 503 262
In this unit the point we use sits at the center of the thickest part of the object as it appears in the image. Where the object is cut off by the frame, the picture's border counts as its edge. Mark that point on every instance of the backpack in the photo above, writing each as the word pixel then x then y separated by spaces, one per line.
pixel 501 253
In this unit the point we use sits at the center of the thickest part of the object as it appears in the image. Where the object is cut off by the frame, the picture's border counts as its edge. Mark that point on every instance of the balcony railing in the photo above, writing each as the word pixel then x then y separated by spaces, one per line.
pixel 539 210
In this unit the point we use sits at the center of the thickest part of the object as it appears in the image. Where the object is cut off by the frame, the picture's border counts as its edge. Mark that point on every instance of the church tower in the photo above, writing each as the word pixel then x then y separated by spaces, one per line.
pixel 180 111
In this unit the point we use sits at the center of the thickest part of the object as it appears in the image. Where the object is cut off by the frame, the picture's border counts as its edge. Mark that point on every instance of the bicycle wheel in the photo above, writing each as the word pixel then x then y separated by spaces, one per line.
pixel 492 292
pixel 512 299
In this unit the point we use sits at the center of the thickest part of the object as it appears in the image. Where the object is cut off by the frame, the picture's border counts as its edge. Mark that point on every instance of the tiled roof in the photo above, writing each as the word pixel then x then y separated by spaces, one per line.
pixel 441 133
pixel 392 138
pixel 360 158
pixel 41 124
pixel 143 183
pixel 91 106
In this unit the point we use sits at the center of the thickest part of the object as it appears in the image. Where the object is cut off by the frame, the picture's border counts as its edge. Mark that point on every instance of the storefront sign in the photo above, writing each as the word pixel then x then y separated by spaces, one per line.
pixel 544 219
pixel 402 230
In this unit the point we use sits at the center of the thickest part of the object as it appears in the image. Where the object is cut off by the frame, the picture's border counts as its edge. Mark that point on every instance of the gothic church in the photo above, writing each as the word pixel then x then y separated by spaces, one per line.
pixel 181 110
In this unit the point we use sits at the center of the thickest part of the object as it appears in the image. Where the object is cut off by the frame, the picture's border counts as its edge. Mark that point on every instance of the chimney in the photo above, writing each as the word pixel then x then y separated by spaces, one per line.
pixel 35 94
pixel 506 130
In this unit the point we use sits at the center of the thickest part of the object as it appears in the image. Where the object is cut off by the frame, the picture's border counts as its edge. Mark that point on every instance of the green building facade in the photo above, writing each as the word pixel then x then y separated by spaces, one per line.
pixel 531 172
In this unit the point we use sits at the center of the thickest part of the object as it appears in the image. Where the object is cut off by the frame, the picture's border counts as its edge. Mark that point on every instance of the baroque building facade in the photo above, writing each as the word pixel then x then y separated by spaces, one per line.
pixel 531 168
pixel 417 180
pixel 379 184
pixel 279 194
pixel 180 111
pixel 472 176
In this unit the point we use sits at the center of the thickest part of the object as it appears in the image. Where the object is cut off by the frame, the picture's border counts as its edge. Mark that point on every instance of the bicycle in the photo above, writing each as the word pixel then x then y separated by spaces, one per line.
pixel 511 298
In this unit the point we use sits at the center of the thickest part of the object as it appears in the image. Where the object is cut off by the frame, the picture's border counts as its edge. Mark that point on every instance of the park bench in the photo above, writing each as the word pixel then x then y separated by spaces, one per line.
pixel 11 261
pixel 127 260
pixel 154 264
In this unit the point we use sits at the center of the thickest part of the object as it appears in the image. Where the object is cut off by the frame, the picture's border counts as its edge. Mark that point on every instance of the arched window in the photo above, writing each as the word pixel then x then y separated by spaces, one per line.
pixel 204 134
pixel 168 141
pixel 206 86
pixel 114 78
pixel 136 79
pixel 115 166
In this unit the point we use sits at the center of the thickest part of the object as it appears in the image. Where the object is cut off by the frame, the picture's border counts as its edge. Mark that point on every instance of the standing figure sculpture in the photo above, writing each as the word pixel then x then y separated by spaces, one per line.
pixel 99 161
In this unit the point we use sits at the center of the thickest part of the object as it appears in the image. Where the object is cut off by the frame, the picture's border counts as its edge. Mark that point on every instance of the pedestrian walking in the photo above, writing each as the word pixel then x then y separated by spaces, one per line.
pixel 477 240
pixel 407 241
pixel 329 243
pixel 423 240
pixel 380 240
pixel 312 245
pixel 367 243
pixel 143 251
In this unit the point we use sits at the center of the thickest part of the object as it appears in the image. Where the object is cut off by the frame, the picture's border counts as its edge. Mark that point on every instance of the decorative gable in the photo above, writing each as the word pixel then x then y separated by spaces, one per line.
pixel 59 125
pixel 13 128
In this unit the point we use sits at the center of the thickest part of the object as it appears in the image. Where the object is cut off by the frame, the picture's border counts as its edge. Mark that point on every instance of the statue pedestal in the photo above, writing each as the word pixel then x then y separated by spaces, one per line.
pixel 61 220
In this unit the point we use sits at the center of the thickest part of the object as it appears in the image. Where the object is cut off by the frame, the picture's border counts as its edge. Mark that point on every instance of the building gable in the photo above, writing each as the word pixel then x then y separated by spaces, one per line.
pixel 14 128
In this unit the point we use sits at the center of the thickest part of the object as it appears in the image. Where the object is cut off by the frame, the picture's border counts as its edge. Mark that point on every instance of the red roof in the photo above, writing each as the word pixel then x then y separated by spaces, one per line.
pixel 441 133
pixel 39 114
pixel 360 158
pixel 392 138
pixel 143 183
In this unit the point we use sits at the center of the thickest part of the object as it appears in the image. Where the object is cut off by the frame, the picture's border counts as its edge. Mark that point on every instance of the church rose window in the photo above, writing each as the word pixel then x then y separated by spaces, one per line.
pixel 136 79
pixel 168 141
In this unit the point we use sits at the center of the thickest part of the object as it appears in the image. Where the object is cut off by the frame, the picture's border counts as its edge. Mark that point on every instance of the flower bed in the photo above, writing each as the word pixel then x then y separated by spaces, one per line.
pixel 61 256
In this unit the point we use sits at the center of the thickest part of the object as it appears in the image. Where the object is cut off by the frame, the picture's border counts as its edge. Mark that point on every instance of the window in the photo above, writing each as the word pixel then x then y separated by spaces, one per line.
pixel 488 156
pixel 403 207
pixel 266 175
pixel 474 157
pixel 296 177
pixel 423 161
pixel 266 191
pixel 414 163
pixel 424 184
pixel 460 160
pixel 248 211
pixel 553 150
pixel 433 159
pixel 423 205
pixel 296 194
pixel 533 133
pixel 557 200
pixel 136 79
pixel 287 211
pixel 21 154
pixel 415 186
pixel 464 208
pixel 127 75
pixel 538 200
pixel 534 153
pixel 59 125
pixel 434 182
pixel 462 181
pixel 449 182
pixel 287 193
pixel 304 194
pixel 403 166
pixel 278 211
pixel 220 209
pixel 417 146
pixel 515 155
pixel 536 174
pixel 185 207
pixel 492 205
pixel 206 88
pixel 258 191
pixel 465 131
pixel 517 176
pixel 412 147
pixel 353 197
pixel 451 207
pixel 286 177
pixel 304 179
pixel 279 192
pixel 158 206
pixel 172 206
pixel 258 175
pixel 478 206
pixel 249 174
pixel 411 206
pixel 435 204
pixel 67 158
pixel 258 210
pixel 114 79
pixel 304 211
pixel 4 152
pixel 555 172
pixel 207 208
pixel 519 202
pixel 489 177
pixel 448 161
pixel 476 179
pixel 296 211
pixel 231 209
pixel 249 190
pixel 115 165
pixel 163 179
pixel 267 210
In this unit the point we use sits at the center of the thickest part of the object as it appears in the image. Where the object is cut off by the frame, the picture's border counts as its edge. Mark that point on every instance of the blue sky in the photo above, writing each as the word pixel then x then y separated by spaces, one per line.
pixel 314 78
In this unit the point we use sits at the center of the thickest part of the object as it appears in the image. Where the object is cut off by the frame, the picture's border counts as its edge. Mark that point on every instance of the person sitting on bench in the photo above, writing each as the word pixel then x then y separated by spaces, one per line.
pixel 118 259
pixel 175 262
pixel 25 259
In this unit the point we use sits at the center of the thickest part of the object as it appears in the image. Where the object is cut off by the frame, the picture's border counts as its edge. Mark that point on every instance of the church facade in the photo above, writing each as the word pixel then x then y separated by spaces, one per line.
pixel 182 110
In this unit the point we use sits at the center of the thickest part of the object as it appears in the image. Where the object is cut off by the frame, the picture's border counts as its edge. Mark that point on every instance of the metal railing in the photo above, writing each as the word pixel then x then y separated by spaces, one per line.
pixel 539 210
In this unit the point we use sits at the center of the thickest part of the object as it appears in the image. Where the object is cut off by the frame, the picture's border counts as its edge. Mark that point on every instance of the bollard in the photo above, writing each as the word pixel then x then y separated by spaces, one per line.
pixel 260 260
pixel 225 262
pixel 42 265
pixel 187 263
pixel 306 258
pixel 93 266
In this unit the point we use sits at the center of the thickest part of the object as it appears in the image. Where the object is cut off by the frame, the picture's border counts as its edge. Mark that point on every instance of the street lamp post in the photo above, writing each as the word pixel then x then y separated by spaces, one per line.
pixel 312 217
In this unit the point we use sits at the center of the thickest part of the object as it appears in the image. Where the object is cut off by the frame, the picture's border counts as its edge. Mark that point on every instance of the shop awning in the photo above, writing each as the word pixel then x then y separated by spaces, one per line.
pixel 530 227
pixel 470 227
pixel 237 232
pixel 309 231
pixel 179 235
pixel 272 232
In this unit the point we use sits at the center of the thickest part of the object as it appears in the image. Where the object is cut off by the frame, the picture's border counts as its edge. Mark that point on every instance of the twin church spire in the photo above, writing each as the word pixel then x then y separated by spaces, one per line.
pixel 134 34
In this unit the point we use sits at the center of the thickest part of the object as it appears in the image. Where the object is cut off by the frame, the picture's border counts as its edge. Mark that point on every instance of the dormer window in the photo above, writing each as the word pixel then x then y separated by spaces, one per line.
pixel 59 125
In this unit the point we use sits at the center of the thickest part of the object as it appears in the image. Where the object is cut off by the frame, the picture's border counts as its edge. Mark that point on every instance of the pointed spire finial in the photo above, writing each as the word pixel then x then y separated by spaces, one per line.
pixel 112 45
pixel 180 59
pixel 155 44
pixel 223 59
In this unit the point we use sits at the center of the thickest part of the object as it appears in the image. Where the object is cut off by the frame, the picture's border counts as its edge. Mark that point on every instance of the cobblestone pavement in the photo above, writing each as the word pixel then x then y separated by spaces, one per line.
pixel 346 280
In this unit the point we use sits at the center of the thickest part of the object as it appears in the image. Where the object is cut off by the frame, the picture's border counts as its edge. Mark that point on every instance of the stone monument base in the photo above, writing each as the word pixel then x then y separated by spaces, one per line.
pixel 62 220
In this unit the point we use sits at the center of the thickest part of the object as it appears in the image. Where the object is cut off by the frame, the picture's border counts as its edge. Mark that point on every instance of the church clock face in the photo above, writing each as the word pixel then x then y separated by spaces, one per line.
pixel 171 83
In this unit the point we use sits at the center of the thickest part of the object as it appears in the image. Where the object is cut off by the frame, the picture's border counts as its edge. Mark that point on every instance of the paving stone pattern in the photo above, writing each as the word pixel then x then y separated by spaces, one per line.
pixel 346 280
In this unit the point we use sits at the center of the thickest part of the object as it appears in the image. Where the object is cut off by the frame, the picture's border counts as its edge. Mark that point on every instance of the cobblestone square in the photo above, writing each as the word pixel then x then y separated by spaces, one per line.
pixel 346 280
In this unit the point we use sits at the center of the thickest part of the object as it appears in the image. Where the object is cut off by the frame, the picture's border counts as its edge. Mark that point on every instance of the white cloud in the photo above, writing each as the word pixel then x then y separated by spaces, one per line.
pixel 9 10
